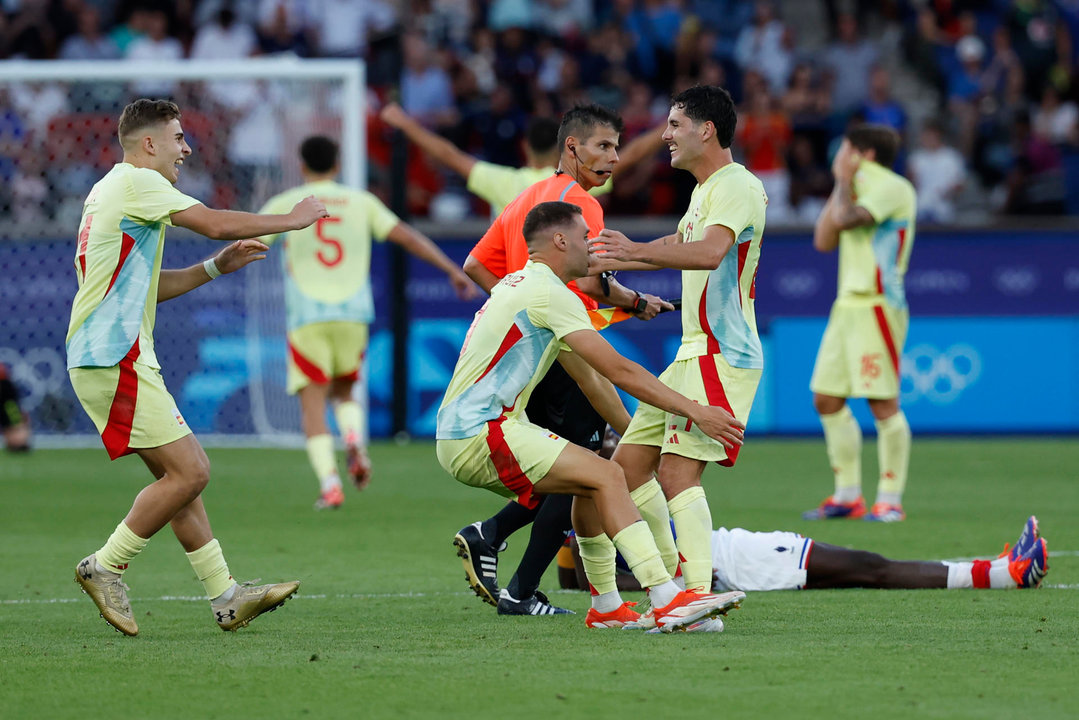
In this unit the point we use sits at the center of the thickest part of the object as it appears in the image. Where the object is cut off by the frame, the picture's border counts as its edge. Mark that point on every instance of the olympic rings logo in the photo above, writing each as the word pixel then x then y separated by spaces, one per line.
pixel 938 376
pixel 38 372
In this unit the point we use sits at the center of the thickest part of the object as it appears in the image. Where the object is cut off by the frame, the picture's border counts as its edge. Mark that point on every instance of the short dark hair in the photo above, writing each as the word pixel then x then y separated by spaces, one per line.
pixel 880 138
pixel 143 113
pixel 542 135
pixel 319 153
pixel 546 216
pixel 708 103
pixel 581 120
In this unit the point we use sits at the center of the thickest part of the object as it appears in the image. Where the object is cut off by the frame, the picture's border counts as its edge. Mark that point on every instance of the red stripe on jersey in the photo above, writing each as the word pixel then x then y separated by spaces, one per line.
pixel 886 333
pixel 980 574
pixel 717 397
pixel 743 250
pixel 311 371
pixel 512 337
pixel 126 243
pixel 902 239
pixel 509 471
pixel 351 377
pixel 880 283
pixel 84 242
pixel 117 432
pixel 702 317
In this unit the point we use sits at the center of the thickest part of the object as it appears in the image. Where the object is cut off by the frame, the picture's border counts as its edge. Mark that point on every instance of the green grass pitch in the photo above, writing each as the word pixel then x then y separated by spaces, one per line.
pixel 385 627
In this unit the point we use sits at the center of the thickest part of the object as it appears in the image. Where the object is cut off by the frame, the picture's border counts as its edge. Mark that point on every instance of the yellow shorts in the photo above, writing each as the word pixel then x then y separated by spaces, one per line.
pixel 508 457
pixel 860 352
pixel 709 380
pixel 321 352
pixel 129 405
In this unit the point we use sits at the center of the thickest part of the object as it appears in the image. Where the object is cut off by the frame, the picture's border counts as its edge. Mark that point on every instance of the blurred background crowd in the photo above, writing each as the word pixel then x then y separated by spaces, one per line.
pixel 982 91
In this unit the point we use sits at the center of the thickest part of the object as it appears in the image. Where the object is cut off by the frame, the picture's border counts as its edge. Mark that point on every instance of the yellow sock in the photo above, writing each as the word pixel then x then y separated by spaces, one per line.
pixel 693 525
pixel 893 453
pixel 350 422
pixel 843 438
pixel 597 557
pixel 639 551
pixel 323 462
pixel 653 507
pixel 118 550
pixel 209 565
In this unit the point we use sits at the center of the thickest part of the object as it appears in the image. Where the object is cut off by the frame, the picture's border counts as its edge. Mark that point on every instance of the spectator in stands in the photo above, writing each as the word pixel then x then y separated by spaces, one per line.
pixel 653 27
pixel 340 28
pixel 811 182
pixel 282 29
pixel 1056 120
pixel 226 38
pixel 1041 42
pixel 564 18
pixel 765 46
pixel 808 106
pixel 938 173
pixel 156 45
pixel 89 43
pixel 764 133
pixel 426 90
pixel 1035 184
pixel 881 108
pixel 849 61
pixel 964 88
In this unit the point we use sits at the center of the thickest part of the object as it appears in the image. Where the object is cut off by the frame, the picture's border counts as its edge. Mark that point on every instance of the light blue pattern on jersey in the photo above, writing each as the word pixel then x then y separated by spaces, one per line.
pixel 113 327
pixel 740 347
pixel 886 252
pixel 465 415
pixel 301 309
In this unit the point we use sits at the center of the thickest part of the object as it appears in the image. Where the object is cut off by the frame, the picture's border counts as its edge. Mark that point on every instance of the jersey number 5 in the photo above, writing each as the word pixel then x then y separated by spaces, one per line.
pixel 338 254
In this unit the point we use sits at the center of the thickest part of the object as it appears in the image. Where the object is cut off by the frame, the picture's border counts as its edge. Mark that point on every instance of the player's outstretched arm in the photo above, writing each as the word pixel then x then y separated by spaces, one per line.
pixel 620 296
pixel 237 225
pixel 424 248
pixel 639 148
pixel 438 147
pixel 174 283
pixel 706 254
pixel 598 389
pixel 715 422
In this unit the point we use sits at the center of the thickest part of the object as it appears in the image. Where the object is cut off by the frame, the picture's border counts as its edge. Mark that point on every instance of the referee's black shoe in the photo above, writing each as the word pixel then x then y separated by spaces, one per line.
pixel 538 604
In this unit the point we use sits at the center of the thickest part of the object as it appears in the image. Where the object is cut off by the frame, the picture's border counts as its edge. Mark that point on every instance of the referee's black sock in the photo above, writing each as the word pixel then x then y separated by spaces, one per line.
pixel 548 534
pixel 506 521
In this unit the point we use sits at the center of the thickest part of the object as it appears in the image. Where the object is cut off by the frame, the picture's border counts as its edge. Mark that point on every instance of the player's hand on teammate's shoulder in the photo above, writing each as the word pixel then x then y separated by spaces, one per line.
pixel 719 424
pixel 463 285
pixel 308 211
pixel 240 253
pixel 611 245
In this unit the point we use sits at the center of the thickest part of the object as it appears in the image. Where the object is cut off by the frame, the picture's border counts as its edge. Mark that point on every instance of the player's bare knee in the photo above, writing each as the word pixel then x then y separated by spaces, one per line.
pixel 826 404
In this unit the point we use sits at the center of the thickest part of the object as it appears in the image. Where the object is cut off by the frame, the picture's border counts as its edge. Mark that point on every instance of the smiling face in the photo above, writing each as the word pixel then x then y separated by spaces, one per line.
pixel 169 148
pixel 683 139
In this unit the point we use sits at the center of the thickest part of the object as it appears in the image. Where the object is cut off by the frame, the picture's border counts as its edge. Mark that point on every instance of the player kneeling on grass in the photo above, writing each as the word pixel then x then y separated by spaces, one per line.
pixel 758 561
pixel 485 440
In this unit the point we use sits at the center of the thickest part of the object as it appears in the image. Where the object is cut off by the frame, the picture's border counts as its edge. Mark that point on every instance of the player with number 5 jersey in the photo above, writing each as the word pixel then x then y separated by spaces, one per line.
pixel 329 304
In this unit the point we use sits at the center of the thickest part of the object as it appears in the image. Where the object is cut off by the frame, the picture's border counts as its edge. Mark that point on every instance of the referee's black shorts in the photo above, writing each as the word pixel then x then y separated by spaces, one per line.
pixel 558 404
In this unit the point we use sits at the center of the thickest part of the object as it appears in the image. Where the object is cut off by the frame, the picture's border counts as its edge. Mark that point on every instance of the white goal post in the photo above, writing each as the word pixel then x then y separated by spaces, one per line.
pixel 222 346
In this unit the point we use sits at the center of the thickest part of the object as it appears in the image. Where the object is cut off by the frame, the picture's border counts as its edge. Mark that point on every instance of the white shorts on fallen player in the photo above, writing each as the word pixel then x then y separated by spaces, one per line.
pixel 748 561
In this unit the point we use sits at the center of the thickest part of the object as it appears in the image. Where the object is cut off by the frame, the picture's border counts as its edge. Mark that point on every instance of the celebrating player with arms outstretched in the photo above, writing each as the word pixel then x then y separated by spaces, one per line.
pixel 116 375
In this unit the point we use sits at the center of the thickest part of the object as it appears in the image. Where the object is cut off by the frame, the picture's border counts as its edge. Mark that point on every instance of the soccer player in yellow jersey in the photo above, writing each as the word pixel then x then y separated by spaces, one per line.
pixel 328 306
pixel 485 440
pixel 719 362
pixel 498 185
pixel 116 375
pixel 870 218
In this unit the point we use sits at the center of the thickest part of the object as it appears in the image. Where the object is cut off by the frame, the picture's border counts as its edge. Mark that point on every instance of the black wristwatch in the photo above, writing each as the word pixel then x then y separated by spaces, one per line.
pixel 638 305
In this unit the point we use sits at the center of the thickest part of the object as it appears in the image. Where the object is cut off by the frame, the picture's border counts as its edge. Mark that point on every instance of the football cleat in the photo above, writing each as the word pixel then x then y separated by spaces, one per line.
pixel 109 593
pixel 710 625
pixel 248 601
pixel 331 499
pixel 883 512
pixel 688 607
pixel 538 604
pixel 619 618
pixel 359 466
pixel 480 560
pixel 646 621
pixel 1026 540
pixel 1029 569
pixel 832 510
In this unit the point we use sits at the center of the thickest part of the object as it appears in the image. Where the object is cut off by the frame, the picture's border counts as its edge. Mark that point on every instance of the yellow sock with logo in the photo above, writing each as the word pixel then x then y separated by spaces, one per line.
pixel 350 422
pixel 208 562
pixel 893 453
pixel 843 439
pixel 119 549
pixel 653 508
pixel 320 453
pixel 597 557
pixel 639 551
pixel 693 526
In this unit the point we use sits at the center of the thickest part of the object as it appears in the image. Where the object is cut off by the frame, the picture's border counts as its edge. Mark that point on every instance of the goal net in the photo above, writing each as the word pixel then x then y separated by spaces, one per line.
pixel 222 346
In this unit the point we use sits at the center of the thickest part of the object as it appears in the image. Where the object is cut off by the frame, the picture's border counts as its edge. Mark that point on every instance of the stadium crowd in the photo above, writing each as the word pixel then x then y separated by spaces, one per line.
pixel 982 91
